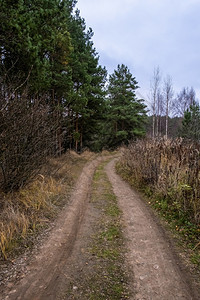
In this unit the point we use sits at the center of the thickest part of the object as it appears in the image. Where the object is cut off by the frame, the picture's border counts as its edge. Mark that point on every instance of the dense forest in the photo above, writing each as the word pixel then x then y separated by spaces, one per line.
pixel 54 94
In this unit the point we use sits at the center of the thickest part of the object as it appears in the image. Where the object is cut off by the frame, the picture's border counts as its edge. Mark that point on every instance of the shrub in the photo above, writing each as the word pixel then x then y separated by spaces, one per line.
pixel 25 140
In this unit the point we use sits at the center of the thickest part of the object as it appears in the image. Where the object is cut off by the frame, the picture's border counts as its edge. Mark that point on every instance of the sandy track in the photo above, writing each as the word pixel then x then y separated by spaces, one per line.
pixel 157 273
pixel 45 274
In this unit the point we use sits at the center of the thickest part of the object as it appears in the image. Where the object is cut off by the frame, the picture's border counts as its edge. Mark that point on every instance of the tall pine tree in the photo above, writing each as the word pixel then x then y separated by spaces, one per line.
pixel 126 113
pixel 88 78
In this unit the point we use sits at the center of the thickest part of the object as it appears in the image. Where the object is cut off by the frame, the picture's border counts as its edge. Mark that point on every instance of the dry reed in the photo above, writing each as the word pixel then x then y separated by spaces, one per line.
pixel 170 169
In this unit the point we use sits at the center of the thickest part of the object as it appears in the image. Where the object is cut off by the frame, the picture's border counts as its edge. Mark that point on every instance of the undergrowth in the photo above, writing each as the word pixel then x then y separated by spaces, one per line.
pixel 24 213
pixel 168 172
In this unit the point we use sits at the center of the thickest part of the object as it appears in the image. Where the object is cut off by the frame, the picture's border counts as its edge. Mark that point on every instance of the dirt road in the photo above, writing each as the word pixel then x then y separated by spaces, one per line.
pixel 154 270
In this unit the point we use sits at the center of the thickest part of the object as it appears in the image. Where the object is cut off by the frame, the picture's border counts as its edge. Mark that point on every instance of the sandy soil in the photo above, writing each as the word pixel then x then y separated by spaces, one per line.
pixel 46 274
pixel 155 271
pixel 158 273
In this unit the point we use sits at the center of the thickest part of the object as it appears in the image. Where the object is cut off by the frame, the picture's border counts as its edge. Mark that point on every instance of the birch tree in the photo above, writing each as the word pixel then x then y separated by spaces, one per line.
pixel 168 95
pixel 160 112
pixel 155 99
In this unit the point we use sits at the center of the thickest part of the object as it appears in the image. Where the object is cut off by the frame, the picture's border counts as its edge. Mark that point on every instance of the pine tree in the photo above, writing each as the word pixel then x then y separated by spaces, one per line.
pixel 88 78
pixel 31 32
pixel 191 123
pixel 126 113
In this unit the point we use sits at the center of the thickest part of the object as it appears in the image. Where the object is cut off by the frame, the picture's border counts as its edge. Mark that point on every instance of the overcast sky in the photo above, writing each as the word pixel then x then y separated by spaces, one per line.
pixel 144 34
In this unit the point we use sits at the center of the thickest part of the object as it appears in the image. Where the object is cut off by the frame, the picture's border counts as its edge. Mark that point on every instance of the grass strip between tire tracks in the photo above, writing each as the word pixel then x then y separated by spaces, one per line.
pixel 106 278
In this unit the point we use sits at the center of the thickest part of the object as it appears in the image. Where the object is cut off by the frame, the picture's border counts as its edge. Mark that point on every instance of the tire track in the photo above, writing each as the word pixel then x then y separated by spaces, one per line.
pixel 157 274
pixel 45 273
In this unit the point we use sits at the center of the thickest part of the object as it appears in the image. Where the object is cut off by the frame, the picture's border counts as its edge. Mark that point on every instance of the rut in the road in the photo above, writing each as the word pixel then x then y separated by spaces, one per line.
pixel 45 275
pixel 60 263
pixel 157 274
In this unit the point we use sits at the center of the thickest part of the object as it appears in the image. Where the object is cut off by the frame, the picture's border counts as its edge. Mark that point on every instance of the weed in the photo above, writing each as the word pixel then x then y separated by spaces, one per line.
pixel 97 175
pixel 111 233
pixel 195 259
pixel 108 279
pixel 26 212
pixel 168 172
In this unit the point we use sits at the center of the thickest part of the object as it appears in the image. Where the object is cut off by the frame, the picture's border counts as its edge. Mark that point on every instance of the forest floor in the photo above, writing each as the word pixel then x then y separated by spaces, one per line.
pixel 105 244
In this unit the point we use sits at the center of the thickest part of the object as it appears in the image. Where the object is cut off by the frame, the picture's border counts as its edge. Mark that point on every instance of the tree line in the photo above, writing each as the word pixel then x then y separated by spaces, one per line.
pixel 54 94
pixel 172 115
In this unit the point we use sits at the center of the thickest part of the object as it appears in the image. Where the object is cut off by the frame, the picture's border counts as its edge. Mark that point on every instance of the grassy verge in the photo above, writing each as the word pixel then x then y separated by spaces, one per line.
pixel 104 277
pixel 25 213
pixel 186 233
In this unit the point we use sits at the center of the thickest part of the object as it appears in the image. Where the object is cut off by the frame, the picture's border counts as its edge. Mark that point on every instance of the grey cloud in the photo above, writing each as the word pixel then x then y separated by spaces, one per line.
pixel 147 33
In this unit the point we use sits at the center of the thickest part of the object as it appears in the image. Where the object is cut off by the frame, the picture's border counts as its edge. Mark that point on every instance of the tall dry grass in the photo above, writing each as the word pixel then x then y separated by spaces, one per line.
pixel 24 212
pixel 168 169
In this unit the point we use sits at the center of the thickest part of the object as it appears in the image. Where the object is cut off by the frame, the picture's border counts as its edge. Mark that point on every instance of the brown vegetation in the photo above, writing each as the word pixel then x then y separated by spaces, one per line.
pixel 25 140
pixel 171 171
pixel 24 212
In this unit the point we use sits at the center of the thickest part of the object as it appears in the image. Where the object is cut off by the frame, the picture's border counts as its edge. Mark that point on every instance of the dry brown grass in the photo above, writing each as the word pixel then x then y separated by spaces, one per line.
pixel 170 169
pixel 22 213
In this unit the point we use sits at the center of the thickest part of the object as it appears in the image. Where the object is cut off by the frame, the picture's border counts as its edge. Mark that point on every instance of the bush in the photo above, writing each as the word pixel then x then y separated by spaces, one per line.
pixel 25 140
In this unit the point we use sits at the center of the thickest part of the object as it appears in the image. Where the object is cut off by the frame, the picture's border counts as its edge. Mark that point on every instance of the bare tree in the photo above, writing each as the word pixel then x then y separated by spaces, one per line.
pixel 25 140
pixel 160 112
pixel 155 99
pixel 168 95
pixel 183 101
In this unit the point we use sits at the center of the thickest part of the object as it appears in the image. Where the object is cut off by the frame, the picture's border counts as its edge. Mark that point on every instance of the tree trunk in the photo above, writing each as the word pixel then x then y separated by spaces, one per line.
pixel 76 143
pixel 167 114
pixel 153 129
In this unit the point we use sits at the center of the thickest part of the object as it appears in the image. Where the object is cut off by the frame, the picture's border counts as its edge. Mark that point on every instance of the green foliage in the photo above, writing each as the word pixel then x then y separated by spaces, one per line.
pixel 191 123
pixel 30 32
pixel 46 49
pixel 126 114
pixel 108 278
pixel 195 259
pixel 47 55
pixel 88 79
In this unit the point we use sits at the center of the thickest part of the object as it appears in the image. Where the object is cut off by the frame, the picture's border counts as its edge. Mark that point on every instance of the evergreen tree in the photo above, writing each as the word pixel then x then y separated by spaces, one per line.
pixel 191 123
pixel 86 99
pixel 126 113
pixel 45 48
pixel 30 32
